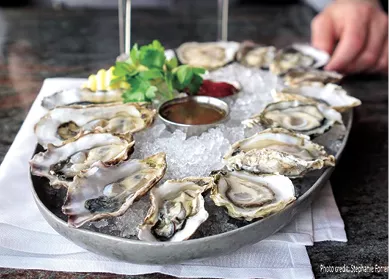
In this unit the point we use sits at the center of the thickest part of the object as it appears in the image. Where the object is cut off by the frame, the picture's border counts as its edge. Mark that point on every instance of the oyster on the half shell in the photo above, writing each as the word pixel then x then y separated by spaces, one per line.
pixel 64 123
pixel 109 190
pixel 305 117
pixel 250 196
pixel 211 55
pixel 332 94
pixel 255 55
pixel 310 77
pixel 60 164
pixel 81 96
pixel 298 56
pixel 277 151
pixel 177 210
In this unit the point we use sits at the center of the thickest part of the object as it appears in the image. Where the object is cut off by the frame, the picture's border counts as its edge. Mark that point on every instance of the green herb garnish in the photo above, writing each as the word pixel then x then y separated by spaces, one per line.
pixel 148 74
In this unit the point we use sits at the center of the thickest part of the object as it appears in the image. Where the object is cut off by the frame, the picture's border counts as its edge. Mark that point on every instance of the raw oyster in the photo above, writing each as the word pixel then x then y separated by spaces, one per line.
pixel 310 77
pixel 298 56
pixel 293 94
pixel 210 56
pixel 83 96
pixel 309 118
pixel 254 55
pixel 64 123
pixel 277 151
pixel 249 196
pixel 98 89
pixel 60 164
pixel 177 210
pixel 332 94
pixel 109 190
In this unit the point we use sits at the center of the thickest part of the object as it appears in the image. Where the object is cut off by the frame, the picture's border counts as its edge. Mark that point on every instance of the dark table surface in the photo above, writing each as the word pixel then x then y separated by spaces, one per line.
pixel 38 44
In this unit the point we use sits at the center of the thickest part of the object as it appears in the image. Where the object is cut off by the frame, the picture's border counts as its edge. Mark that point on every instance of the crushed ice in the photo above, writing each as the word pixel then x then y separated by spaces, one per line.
pixel 199 155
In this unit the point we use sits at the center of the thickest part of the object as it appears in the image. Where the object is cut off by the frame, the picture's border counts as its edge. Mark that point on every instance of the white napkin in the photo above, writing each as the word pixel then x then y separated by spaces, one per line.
pixel 27 241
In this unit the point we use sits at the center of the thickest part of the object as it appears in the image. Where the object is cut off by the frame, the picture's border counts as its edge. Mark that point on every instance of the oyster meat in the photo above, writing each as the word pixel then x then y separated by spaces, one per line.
pixel 309 118
pixel 177 210
pixel 310 77
pixel 277 151
pixel 64 123
pixel 249 196
pixel 210 55
pixel 332 94
pixel 254 55
pixel 60 164
pixel 81 96
pixel 109 190
pixel 298 56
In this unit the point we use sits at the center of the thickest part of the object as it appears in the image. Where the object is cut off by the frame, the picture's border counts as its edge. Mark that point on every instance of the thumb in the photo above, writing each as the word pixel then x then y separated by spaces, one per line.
pixel 323 33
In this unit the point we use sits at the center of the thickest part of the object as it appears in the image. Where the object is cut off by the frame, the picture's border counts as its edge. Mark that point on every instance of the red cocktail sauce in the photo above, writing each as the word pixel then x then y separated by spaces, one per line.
pixel 216 89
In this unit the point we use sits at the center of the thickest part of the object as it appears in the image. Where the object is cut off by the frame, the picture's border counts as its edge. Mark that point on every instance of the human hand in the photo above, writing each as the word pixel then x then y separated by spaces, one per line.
pixel 355 33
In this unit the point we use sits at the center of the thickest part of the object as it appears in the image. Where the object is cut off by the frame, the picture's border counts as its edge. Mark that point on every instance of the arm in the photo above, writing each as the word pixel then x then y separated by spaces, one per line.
pixel 355 32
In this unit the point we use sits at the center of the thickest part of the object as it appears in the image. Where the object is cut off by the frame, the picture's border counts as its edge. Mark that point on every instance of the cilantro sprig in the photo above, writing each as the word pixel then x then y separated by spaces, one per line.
pixel 148 73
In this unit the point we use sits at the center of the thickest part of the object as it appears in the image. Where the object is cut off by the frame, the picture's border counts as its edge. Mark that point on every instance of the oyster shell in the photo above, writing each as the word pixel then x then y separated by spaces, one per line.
pixel 249 196
pixel 60 164
pixel 298 56
pixel 177 210
pixel 83 96
pixel 305 117
pixel 310 77
pixel 277 151
pixel 64 123
pixel 293 94
pixel 332 94
pixel 109 190
pixel 255 55
pixel 210 55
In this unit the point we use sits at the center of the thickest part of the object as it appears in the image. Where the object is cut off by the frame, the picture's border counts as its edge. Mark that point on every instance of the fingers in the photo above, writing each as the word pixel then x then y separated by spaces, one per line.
pixel 352 40
pixel 362 34
pixel 382 65
pixel 323 36
pixel 369 57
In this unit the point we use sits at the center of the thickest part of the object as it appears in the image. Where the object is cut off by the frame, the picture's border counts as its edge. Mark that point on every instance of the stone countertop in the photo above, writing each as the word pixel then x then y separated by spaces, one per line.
pixel 38 44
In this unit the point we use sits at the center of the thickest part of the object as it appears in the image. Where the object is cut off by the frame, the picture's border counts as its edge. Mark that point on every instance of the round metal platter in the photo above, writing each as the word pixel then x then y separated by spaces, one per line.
pixel 136 251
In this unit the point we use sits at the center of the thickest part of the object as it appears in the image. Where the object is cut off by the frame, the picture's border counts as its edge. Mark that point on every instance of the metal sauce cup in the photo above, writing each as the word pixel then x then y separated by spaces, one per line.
pixel 194 130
